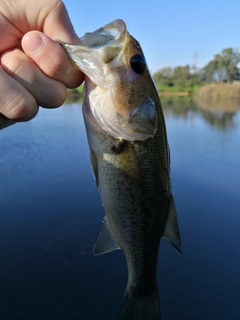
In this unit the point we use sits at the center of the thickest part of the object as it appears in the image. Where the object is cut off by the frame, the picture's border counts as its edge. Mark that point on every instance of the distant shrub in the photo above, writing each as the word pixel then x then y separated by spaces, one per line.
pixel 219 91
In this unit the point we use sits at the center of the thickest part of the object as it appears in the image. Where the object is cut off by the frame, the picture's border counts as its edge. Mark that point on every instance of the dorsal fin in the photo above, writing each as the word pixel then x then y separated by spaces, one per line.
pixel 105 242
pixel 171 232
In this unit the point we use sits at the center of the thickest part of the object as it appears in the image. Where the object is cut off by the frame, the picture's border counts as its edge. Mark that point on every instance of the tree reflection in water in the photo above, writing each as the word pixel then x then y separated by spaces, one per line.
pixel 218 114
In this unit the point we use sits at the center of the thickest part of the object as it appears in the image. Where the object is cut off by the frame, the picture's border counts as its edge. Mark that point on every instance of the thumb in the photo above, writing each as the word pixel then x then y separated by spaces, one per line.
pixel 51 58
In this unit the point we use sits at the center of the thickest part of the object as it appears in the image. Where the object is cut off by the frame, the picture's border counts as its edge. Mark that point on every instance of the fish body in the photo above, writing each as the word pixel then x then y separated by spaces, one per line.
pixel 129 159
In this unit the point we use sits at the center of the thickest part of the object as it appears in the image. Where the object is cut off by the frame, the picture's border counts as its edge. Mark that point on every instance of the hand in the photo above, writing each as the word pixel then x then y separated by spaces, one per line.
pixel 34 69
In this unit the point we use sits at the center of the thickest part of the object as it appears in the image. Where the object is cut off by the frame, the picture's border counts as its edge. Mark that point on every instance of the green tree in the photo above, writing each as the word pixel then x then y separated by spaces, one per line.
pixel 178 76
pixel 181 76
pixel 164 76
pixel 223 67
pixel 230 60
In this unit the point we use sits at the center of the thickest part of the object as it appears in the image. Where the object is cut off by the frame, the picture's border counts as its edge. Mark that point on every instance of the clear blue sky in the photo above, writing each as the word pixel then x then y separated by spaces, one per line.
pixel 171 33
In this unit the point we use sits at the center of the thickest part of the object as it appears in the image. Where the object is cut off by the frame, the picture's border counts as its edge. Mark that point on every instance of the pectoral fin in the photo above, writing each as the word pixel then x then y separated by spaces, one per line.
pixel 171 232
pixel 93 162
pixel 105 242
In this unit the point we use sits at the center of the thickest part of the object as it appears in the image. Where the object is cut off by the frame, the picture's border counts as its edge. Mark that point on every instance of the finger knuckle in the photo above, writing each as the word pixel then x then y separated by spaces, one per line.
pixel 54 67
pixel 22 107
pixel 11 63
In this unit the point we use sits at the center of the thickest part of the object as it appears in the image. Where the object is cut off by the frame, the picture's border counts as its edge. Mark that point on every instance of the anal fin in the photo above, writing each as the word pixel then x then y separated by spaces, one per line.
pixel 105 242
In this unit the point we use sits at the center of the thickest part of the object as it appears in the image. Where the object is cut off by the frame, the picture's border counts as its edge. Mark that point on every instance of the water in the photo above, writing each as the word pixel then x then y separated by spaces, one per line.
pixel 50 217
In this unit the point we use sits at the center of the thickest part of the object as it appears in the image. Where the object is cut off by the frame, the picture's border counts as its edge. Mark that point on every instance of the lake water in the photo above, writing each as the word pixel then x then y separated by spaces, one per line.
pixel 50 217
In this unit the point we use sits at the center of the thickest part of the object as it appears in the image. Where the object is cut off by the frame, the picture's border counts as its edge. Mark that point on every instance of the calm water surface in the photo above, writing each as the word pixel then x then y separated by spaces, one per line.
pixel 50 217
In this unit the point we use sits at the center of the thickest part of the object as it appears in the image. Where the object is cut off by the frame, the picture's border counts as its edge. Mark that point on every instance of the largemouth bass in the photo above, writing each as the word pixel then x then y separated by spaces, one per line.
pixel 129 159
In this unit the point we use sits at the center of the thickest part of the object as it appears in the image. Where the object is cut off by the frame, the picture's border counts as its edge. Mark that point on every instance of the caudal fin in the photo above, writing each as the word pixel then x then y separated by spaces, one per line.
pixel 144 308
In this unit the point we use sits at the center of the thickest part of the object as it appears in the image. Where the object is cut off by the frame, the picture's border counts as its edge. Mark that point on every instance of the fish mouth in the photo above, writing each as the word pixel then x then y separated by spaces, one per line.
pixel 96 50
pixel 111 34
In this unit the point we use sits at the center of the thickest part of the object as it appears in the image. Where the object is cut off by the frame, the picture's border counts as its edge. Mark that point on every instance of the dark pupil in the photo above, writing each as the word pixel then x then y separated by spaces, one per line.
pixel 138 64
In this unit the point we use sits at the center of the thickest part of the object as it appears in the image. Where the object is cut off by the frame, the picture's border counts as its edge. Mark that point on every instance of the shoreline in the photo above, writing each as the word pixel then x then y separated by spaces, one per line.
pixel 174 94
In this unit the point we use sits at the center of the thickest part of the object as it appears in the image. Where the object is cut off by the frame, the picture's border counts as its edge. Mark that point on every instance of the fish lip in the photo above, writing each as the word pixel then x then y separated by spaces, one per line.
pixel 70 48
pixel 98 49
pixel 112 32
pixel 107 32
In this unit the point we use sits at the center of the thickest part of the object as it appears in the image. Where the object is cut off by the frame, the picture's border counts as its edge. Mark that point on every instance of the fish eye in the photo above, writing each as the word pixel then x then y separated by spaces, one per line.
pixel 138 63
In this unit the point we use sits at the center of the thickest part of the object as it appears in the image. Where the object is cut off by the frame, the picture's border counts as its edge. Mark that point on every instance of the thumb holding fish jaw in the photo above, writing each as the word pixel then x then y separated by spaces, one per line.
pixel 34 69
pixel 51 59
pixel 36 77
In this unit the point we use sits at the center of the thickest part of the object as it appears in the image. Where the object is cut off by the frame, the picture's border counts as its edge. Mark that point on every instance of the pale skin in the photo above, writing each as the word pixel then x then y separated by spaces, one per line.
pixel 34 69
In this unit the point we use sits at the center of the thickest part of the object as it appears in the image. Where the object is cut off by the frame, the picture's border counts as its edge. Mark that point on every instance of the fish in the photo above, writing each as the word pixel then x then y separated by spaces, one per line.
pixel 130 159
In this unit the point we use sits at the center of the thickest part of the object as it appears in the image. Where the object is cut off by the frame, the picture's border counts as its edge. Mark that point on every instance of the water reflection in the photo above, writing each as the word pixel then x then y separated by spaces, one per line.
pixel 219 114
pixel 228 106
pixel 220 120
pixel 179 107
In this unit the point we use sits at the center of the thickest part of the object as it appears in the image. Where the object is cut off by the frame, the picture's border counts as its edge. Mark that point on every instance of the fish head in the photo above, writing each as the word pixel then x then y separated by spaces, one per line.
pixel 118 85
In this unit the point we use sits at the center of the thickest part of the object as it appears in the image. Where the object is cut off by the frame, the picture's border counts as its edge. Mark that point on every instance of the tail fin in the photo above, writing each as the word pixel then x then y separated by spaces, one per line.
pixel 144 308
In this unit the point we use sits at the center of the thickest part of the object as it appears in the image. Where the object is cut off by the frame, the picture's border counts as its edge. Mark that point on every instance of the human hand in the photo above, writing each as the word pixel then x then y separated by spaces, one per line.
pixel 34 69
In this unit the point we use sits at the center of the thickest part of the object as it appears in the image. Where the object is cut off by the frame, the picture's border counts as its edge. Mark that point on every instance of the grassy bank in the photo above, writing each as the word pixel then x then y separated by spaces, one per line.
pixel 219 91
pixel 180 91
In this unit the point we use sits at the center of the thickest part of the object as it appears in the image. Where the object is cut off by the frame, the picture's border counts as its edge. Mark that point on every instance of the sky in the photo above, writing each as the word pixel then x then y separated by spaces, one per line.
pixel 171 32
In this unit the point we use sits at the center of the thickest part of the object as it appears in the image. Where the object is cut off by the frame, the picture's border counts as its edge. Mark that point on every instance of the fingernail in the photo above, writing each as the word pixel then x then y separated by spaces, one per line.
pixel 33 43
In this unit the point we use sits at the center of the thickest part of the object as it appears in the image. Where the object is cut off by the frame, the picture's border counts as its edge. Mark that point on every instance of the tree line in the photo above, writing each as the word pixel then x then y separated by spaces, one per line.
pixel 224 67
